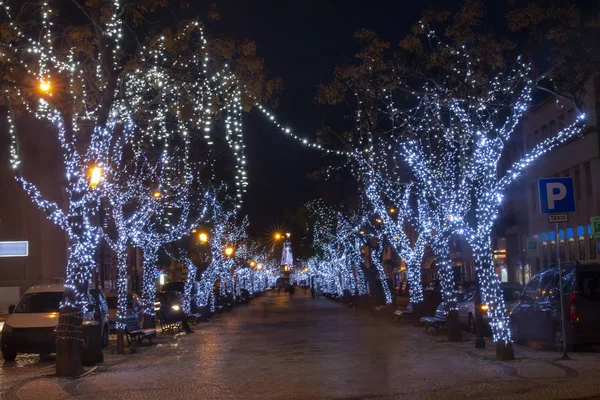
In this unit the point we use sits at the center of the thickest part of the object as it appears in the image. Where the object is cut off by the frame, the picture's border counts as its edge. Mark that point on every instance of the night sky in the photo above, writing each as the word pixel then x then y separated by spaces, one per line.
pixel 302 42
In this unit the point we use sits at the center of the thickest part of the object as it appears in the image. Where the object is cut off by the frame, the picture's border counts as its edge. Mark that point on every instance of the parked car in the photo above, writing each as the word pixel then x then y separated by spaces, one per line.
pixel 466 303
pixel 179 287
pixel 134 305
pixel 169 306
pixel 536 316
pixel 31 325
pixel 101 312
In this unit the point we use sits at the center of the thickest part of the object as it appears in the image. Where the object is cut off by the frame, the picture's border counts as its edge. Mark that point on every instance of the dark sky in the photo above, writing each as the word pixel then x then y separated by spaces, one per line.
pixel 301 42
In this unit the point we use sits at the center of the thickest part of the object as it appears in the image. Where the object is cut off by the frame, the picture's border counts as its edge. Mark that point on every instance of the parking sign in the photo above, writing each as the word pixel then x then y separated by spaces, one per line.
pixel 556 195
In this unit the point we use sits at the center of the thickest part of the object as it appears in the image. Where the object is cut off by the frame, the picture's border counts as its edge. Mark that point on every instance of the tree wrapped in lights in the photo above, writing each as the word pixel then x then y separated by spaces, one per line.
pixel 461 128
pixel 75 89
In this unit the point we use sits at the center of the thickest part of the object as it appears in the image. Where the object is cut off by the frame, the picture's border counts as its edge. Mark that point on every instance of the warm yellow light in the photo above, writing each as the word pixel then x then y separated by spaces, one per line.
pixel 362 232
pixel 95 176
pixel 484 307
pixel 392 210
pixel 156 194
pixel 203 237
pixel 45 86
pixel 378 220
pixel 194 231
pixel 288 235
pixel 259 266
pixel 278 236
pixel 229 251
pixel 252 264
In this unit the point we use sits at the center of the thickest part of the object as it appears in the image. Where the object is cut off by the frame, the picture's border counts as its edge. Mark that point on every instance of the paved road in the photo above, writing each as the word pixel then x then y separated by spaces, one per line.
pixel 304 348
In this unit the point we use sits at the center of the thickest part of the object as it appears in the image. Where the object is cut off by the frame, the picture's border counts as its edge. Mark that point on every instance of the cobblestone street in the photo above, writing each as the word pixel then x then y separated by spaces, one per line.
pixel 304 348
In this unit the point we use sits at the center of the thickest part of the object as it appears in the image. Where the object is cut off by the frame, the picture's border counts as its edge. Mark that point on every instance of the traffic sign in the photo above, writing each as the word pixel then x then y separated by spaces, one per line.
pixel 558 218
pixel 533 248
pixel 557 196
pixel 595 222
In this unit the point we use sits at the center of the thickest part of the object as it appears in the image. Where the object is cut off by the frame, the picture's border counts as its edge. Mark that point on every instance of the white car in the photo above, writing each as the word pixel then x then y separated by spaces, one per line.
pixel 31 325
pixel 466 304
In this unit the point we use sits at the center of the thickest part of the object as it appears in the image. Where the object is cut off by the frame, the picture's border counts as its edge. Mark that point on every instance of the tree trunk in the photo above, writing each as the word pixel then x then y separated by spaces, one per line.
pixel 122 297
pixel 449 296
pixel 492 296
pixel 69 339
pixel 149 286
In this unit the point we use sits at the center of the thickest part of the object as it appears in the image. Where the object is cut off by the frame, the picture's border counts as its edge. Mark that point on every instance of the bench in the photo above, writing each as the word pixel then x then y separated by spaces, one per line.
pixel 438 321
pixel 404 313
pixel 194 318
pixel 134 331
pixel 169 325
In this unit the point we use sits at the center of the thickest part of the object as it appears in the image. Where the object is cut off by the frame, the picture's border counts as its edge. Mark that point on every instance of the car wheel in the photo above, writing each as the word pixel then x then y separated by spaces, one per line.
pixel 9 355
pixel 472 328
pixel 105 337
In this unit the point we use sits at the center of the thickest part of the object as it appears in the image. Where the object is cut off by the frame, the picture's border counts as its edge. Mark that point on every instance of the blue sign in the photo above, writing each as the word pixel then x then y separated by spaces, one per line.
pixel 556 195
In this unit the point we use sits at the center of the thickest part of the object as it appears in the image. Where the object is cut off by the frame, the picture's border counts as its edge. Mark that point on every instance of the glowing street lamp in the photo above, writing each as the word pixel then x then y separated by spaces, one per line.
pixel 259 267
pixel 95 176
pixel 252 264
pixel 229 251
pixel 278 236
pixel 392 210
pixel 156 194
pixel 45 86
pixel 362 232
pixel 203 236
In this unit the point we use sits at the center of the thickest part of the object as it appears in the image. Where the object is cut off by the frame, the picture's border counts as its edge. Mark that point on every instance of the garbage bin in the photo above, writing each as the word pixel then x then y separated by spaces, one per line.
pixel 92 343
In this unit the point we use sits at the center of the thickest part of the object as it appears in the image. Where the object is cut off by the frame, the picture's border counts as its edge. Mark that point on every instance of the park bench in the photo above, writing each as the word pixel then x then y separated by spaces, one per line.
pixel 194 318
pixel 134 331
pixel 406 313
pixel 170 326
pixel 438 321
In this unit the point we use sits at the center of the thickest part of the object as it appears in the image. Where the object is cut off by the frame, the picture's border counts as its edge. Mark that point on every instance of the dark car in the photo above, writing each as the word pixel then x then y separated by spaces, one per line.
pixel 169 306
pixel 101 312
pixel 134 305
pixel 466 302
pixel 179 287
pixel 536 316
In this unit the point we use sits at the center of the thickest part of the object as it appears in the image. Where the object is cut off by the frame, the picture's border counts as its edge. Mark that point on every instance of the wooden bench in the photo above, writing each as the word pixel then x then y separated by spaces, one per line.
pixel 407 313
pixel 194 318
pixel 438 321
pixel 134 331
pixel 170 326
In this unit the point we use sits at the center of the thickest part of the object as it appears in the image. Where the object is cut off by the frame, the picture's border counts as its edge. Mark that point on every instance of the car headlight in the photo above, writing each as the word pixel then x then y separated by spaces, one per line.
pixel 175 307
pixel 7 328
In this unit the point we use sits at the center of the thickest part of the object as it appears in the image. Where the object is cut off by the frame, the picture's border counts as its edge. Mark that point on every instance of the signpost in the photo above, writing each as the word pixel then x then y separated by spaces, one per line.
pixel 557 199
pixel 595 222
pixel 533 247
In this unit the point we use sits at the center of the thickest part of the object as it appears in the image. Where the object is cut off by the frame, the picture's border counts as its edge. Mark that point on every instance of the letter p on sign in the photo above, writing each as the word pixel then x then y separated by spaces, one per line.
pixel 556 195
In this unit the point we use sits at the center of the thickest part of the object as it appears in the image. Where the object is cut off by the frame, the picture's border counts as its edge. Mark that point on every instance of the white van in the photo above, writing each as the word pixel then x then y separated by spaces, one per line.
pixel 31 325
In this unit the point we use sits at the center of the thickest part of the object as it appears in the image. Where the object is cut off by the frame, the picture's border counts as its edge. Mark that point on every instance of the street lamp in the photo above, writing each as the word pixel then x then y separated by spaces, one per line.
pixel 278 236
pixel 45 86
pixel 259 267
pixel 229 251
pixel 203 236
pixel 392 210
pixel 252 264
pixel 288 235
pixel 95 176
pixel 156 194
pixel 362 232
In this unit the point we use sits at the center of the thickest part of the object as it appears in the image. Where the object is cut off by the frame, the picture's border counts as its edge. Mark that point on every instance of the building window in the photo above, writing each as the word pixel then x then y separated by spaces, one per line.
pixel 544 132
pixel 533 197
pixel 588 178
pixel 577 184
pixel 528 142
pixel 536 138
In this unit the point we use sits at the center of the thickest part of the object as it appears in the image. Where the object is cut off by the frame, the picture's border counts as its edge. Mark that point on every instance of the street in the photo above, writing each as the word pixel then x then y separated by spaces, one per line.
pixel 305 348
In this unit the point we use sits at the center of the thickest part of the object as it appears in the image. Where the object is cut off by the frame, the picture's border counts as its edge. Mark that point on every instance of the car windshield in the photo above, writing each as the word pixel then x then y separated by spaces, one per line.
pixel 511 294
pixel 589 282
pixel 168 297
pixel 43 302
pixel 112 301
